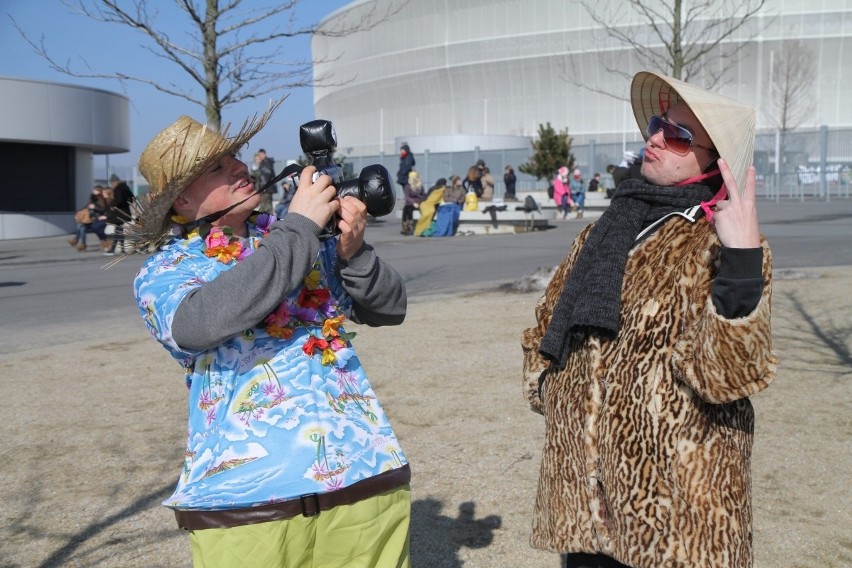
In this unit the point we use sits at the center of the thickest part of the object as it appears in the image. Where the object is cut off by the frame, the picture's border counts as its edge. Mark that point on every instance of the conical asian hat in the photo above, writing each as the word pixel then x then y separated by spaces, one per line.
pixel 729 124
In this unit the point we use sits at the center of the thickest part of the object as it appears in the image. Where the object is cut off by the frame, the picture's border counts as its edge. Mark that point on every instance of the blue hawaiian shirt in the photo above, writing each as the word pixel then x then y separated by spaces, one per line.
pixel 267 422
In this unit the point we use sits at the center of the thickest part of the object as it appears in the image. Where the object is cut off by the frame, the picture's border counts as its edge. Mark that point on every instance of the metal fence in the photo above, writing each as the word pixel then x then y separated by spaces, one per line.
pixel 807 164
pixel 812 164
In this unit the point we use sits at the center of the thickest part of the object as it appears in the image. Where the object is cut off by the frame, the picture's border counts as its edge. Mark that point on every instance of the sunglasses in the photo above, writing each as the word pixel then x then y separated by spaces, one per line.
pixel 678 139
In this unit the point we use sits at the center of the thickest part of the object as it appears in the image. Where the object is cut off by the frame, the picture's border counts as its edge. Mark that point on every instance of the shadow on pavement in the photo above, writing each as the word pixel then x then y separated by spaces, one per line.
pixel 75 540
pixel 436 539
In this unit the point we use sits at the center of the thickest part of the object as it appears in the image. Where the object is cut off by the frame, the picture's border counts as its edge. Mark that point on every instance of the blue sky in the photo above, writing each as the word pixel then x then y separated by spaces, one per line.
pixel 107 47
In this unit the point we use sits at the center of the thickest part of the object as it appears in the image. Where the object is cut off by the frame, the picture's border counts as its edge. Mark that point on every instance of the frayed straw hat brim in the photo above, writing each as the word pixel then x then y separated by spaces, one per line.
pixel 174 159
pixel 729 123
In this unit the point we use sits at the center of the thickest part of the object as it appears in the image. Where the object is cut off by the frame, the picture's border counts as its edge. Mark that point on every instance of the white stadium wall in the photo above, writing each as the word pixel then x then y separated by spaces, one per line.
pixel 497 67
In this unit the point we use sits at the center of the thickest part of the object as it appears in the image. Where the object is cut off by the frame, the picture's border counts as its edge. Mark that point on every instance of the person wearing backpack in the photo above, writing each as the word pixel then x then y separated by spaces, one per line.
pixel 91 219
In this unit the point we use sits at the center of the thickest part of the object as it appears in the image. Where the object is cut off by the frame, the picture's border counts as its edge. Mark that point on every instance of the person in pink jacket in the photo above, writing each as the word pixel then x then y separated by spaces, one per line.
pixel 562 192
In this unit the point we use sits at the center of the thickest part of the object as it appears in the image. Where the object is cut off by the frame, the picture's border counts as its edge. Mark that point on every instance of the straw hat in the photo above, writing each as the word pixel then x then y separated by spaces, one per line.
pixel 728 123
pixel 175 158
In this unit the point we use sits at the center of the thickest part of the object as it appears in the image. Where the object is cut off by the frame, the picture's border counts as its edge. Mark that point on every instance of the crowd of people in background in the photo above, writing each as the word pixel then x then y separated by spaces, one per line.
pixel 439 207
pixel 108 209
pixel 262 171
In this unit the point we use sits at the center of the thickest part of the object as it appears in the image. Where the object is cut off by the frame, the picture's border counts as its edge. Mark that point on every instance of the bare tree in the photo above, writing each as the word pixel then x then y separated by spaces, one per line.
pixel 791 86
pixel 674 37
pixel 791 93
pixel 228 55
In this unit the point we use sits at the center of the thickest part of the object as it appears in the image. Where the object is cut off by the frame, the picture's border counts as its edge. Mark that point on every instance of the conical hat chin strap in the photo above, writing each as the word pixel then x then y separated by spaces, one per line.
pixel 706 205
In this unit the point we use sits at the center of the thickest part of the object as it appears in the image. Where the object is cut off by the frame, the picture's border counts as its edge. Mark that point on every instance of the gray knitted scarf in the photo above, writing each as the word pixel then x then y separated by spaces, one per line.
pixel 590 303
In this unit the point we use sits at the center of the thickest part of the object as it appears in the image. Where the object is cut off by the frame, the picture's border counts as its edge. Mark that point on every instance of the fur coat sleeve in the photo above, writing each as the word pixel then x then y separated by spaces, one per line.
pixel 715 355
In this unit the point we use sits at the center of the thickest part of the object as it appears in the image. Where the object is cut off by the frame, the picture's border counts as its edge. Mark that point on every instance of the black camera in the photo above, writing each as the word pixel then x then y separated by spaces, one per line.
pixel 373 186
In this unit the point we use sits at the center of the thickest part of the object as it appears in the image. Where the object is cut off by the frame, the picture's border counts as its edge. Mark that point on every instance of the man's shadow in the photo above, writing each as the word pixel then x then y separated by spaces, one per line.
pixel 436 539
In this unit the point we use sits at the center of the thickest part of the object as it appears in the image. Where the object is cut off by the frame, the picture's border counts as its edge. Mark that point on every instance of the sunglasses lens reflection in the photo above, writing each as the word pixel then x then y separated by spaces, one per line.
pixel 677 139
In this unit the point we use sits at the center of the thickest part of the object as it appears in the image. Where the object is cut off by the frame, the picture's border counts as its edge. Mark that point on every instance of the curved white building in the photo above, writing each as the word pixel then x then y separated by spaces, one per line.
pixel 48 135
pixel 441 68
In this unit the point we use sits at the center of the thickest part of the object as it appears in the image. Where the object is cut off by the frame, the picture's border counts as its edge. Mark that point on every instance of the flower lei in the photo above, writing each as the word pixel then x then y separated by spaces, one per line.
pixel 314 307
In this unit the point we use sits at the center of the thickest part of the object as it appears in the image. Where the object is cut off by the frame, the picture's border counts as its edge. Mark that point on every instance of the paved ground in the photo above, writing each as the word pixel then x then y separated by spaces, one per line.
pixel 94 409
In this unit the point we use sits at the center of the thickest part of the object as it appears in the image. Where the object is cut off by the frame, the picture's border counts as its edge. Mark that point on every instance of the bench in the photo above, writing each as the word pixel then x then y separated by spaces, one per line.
pixel 513 220
pixel 596 202
pixel 479 222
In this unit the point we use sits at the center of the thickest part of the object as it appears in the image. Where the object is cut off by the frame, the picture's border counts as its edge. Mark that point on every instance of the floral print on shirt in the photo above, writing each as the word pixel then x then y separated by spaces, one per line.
pixel 281 410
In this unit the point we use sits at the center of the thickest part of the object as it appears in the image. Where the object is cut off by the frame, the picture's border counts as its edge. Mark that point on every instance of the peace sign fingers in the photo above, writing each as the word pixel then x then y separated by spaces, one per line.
pixel 736 219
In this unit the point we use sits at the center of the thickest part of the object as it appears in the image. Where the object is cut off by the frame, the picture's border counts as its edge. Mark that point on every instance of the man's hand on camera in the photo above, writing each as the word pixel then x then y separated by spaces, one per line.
pixel 316 200
pixel 352 223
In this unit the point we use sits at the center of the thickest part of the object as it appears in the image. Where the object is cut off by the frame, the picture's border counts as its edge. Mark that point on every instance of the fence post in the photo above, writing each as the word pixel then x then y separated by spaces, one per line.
pixel 777 166
pixel 427 181
pixel 397 192
pixel 592 164
pixel 823 159
pixel 500 183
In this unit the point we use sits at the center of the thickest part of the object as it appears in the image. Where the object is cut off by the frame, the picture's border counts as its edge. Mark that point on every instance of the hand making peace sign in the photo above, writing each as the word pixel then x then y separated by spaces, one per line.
pixel 735 220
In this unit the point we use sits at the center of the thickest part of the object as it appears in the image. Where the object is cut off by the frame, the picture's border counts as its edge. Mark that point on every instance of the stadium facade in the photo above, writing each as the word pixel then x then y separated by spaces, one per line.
pixel 441 74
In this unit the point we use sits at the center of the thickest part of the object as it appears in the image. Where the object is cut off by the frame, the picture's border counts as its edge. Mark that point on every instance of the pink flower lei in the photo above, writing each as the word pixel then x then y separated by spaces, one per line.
pixel 313 308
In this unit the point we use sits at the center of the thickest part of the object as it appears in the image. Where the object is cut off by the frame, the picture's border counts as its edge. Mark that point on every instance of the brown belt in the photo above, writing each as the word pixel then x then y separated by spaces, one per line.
pixel 308 505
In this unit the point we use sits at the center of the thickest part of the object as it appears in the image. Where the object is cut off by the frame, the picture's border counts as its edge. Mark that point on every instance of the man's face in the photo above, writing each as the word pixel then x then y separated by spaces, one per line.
pixel 223 184
pixel 662 166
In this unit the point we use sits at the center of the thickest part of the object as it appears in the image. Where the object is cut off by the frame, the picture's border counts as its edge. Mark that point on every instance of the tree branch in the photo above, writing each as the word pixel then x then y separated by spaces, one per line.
pixel 227 52
pixel 675 37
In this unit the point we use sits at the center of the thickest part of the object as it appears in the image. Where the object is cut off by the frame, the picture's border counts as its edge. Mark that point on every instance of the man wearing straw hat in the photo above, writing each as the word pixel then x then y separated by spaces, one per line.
pixel 290 459
pixel 644 384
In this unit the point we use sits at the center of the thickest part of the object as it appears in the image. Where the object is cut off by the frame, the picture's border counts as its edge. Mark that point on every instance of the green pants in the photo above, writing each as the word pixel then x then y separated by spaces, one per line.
pixel 370 533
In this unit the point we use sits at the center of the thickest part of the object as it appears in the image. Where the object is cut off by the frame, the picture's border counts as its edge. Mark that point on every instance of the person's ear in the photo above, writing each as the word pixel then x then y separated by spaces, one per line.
pixel 180 203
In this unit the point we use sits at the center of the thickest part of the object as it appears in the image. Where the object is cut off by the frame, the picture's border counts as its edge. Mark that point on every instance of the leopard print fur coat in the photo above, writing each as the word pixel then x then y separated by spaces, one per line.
pixel 648 437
